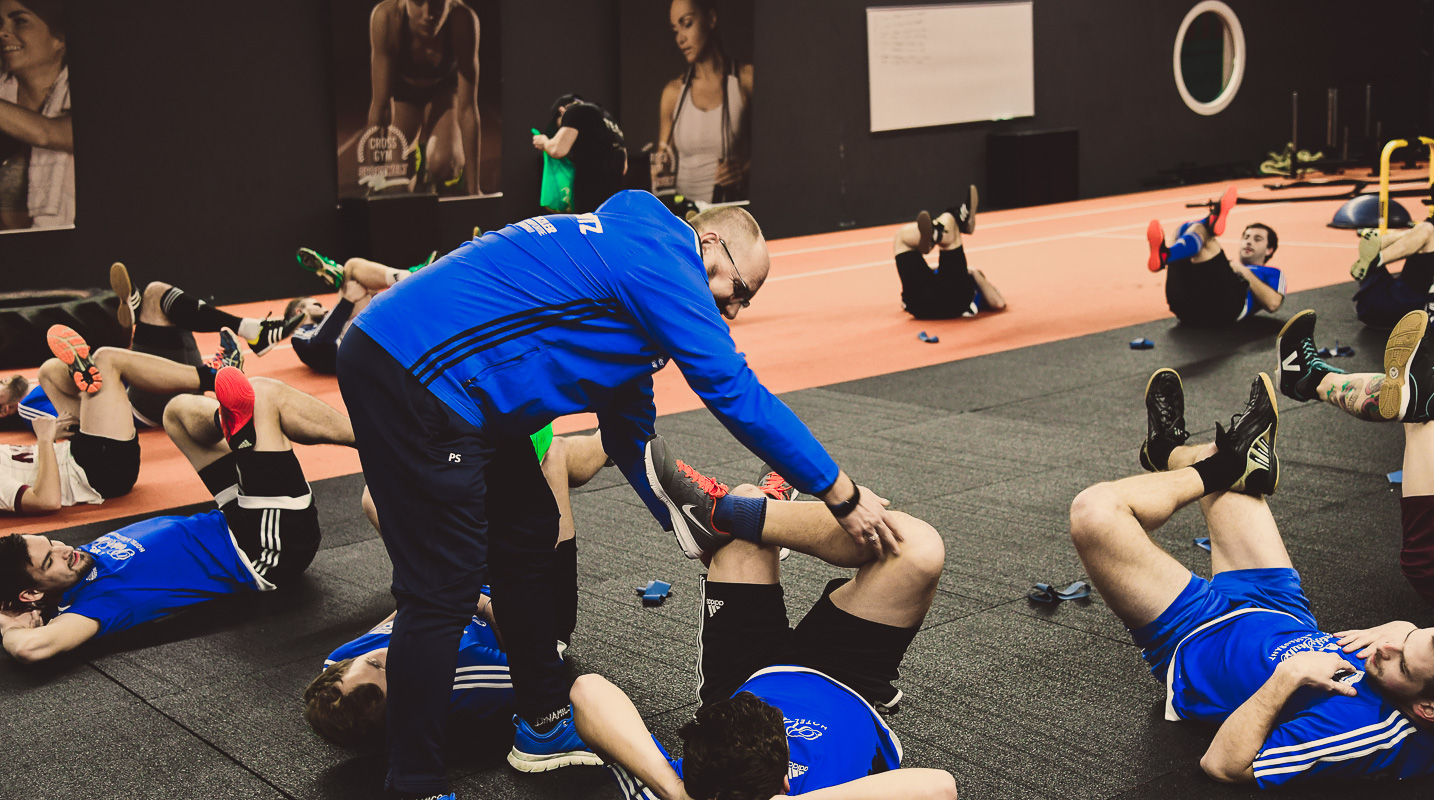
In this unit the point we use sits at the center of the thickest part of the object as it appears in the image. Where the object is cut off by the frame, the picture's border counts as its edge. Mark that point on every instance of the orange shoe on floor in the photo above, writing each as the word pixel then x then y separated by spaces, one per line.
pixel 72 349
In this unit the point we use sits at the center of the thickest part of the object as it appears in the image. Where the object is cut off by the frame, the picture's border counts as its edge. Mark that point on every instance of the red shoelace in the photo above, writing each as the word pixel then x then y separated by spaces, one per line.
pixel 709 486
pixel 775 487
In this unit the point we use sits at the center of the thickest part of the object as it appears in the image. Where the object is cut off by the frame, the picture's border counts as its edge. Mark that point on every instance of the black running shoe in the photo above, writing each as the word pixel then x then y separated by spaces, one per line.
pixel 1252 439
pixel 775 486
pixel 965 213
pixel 690 497
pixel 1301 368
pixel 1408 371
pixel 1164 415
pixel 273 331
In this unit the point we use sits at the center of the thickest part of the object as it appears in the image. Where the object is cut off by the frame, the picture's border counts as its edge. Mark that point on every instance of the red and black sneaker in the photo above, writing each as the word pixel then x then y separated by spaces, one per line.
pixel 236 407
pixel 1159 253
pixel 776 487
pixel 690 497
pixel 72 349
pixel 1216 221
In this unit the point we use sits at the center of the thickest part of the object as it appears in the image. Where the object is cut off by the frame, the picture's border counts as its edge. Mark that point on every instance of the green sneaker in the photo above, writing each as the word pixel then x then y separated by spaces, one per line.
pixel 327 269
pixel 433 256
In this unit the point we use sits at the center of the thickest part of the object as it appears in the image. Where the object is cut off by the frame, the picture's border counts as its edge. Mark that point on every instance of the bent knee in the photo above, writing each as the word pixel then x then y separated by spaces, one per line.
pixel 154 292
pixel 185 408
pixel 921 547
pixel 1091 510
pixel 747 490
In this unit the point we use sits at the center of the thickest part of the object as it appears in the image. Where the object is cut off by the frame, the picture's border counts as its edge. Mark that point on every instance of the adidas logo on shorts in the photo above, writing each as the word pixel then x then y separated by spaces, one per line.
pixel 713 606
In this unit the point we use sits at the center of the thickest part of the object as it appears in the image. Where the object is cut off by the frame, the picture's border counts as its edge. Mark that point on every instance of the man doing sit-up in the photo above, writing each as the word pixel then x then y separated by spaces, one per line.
pixel 101 460
pixel 262 536
pixel 317 340
pixel 1383 298
pixel 1203 286
pixel 953 289
pixel 1243 650
pixel 784 710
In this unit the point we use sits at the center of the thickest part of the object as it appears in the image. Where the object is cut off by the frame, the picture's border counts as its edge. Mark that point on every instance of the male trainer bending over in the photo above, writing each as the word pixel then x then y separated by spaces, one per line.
pixel 448 372
pixel 1243 649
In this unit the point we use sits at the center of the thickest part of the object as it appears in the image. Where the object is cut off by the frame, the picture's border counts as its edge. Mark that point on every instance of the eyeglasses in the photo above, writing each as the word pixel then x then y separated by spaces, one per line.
pixel 741 292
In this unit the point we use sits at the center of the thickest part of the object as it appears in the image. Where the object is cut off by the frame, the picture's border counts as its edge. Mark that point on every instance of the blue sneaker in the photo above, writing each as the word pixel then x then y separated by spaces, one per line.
pixel 560 747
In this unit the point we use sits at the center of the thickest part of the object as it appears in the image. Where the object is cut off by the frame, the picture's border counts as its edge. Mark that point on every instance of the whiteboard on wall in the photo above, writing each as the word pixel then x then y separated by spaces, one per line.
pixel 944 64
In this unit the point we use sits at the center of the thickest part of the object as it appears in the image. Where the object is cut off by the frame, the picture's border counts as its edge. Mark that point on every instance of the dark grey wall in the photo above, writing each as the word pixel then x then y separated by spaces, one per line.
pixel 205 130
pixel 1102 67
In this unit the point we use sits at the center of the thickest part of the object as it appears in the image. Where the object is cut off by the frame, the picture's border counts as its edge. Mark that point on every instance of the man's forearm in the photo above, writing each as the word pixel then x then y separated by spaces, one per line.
pixel 45 495
pixel 1231 755
pixel 1268 298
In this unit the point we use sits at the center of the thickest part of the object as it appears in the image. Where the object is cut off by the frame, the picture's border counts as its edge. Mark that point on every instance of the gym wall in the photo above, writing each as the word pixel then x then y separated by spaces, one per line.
pixel 204 131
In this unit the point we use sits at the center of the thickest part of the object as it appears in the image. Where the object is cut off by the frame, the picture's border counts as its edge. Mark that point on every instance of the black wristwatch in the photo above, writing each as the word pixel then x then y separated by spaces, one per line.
pixel 843 510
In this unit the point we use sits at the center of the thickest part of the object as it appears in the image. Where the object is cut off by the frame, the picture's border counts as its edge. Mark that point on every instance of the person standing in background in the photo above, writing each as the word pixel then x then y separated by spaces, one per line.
pixel 37 161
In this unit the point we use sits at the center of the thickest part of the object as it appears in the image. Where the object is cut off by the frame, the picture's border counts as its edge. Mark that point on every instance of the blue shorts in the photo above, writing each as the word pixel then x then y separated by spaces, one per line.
pixel 1277 589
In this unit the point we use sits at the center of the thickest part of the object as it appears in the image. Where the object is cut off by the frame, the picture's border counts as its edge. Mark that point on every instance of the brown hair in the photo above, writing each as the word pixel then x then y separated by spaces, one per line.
pixel 735 749
pixel 354 719
pixel 1270 236
pixel 293 307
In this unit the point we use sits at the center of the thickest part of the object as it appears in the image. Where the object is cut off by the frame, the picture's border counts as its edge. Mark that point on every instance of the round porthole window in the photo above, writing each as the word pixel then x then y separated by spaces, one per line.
pixel 1209 57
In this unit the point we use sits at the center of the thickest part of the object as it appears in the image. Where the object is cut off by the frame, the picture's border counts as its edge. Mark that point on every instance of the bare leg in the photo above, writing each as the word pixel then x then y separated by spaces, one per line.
pixel 1243 534
pixel 107 412
pixel 1109 521
pixel 555 472
pixel 369 509
pixel 1210 247
pixel 989 291
pixel 189 421
pixel 150 310
pixel 1396 246
pixel 908 237
pixel 951 236
pixel 371 275
pixel 1356 394
pixel 586 458
pixel 303 418
pixel 1418 460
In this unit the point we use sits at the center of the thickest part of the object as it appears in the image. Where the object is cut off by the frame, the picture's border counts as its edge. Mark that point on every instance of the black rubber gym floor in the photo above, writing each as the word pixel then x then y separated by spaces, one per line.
pixel 1015 699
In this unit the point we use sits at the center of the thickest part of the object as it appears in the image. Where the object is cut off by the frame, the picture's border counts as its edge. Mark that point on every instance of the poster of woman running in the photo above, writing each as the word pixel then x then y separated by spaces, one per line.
pixel 417 87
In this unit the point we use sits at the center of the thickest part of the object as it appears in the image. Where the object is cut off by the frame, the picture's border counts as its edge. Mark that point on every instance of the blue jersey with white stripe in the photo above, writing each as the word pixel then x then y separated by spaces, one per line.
pixel 833 735
pixel 37 401
pixel 1273 277
pixel 153 568
pixel 481 686
pixel 1218 668
pixel 565 314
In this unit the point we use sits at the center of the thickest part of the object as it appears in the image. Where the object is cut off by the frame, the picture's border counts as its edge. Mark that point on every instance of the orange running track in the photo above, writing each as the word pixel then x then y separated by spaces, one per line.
pixel 830 312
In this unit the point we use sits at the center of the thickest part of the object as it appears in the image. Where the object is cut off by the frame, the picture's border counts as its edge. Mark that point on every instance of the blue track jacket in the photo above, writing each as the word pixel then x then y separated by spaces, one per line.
pixel 564 314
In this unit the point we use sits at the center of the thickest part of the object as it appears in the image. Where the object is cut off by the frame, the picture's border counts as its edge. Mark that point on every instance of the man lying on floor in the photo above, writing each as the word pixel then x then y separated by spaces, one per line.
pixel 1384 298
pixel 954 289
pixel 163 319
pixel 1203 287
pixel 262 536
pixel 1243 650
pixel 784 710
pixel 1404 392
pixel 346 702
pixel 101 460
pixel 358 280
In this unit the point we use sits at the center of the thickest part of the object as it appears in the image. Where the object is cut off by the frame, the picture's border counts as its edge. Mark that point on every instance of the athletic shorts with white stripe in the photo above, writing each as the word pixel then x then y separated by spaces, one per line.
pixel 270 510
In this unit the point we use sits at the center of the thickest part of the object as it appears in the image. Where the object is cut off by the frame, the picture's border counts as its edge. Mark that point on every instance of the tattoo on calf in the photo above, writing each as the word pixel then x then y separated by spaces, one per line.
pixel 1358 396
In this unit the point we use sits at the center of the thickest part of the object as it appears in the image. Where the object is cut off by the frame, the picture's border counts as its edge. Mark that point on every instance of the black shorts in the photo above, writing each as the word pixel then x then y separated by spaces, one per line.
pixel 166 342
pixel 1205 293
pixel 111 465
pixel 1383 299
pixel 744 628
pixel 270 510
pixel 948 292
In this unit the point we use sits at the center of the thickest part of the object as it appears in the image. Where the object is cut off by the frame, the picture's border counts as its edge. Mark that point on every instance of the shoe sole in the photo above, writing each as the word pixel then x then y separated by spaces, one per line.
pixel 1274 431
pixel 925 230
pixel 229 342
pixel 236 400
pixel 1227 204
pixel 685 539
pixel 310 261
pixel 523 762
pixel 1368 251
pixel 1403 343
pixel 972 197
pixel 74 352
pixel 123 288
pixel 1145 458
pixel 1280 352
pixel 1155 236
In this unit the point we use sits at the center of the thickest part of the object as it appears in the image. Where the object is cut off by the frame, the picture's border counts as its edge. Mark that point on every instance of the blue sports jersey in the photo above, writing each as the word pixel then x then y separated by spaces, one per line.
pixel 37 400
pixel 152 568
pixel 833 735
pixel 481 686
pixel 1273 277
pixel 1220 665
pixel 565 314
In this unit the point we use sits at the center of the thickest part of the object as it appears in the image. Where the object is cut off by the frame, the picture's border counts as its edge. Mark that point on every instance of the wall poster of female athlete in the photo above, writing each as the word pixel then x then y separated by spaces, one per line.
pixel 37 147
pixel 687 95
pixel 417 87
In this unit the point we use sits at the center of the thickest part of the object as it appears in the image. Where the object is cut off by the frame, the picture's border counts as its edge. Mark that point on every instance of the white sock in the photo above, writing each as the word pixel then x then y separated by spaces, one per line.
pixel 248 329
